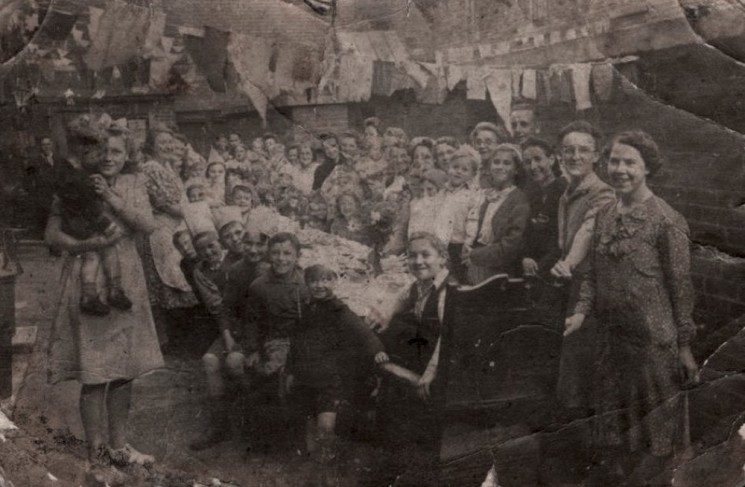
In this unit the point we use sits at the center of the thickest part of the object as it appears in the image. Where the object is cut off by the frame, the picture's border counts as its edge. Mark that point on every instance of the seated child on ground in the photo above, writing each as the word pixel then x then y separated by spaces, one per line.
pixel 224 356
pixel 231 238
pixel 182 242
pixel 328 335
pixel 276 298
pixel 84 216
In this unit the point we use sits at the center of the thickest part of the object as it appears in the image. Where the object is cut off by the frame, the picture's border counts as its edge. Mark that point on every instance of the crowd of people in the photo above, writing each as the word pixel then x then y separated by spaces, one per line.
pixel 159 234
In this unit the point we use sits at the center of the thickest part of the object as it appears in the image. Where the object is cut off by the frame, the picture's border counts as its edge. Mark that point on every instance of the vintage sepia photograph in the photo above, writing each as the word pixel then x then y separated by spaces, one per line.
pixel 375 243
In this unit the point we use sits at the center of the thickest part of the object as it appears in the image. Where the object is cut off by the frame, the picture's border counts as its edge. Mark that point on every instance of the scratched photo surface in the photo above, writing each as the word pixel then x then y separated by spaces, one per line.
pixel 372 243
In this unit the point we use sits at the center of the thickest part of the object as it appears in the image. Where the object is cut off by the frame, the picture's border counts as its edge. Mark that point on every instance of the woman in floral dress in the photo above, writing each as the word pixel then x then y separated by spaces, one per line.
pixel 641 293
pixel 166 283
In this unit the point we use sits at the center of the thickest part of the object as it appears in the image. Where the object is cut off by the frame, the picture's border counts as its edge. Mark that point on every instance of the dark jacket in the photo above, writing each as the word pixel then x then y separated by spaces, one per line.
pixel 542 232
pixel 508 229
pixel 329 335
pixel 274 305
pixel 324 170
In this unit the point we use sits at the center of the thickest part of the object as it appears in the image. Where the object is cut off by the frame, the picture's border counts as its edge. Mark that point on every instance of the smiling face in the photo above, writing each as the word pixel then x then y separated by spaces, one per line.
pixel 322 288
pixel 399 159
pixel 486 143
pixel 626 169
pixel 269 144
pixel 460 171
pixel 240 153
pixel 578 154
pixel 234 140
pixel 216 173
pixel 185 246
pixel 293 155
pixel 195 194
pixel 424 261
pixel 221 143
pixel 242 199
pixel 423 158
pixel 331 149
pixel 46 146
pixel 209 250
pixel 349 147
pixel 231 237
pixel 306 156
pixel 254 246
pixel 116 156
pixel 428 189
pixel 444 153
pixel 503 169
pixel 523 124
pixel 318 209
pixel 283 258
pixel 538 165
pixel 347 206
pixel 163 146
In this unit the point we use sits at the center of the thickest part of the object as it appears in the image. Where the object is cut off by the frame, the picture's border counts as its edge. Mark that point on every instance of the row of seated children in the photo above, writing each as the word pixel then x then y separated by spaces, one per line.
pixel 274 319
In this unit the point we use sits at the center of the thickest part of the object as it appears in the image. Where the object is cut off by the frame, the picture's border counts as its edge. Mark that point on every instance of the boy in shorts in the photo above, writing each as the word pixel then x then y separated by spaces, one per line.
pixel 328 336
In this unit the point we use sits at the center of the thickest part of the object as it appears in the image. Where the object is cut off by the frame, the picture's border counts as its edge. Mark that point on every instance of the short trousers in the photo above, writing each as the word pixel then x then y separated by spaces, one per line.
pixel 312 400
pixel 273 356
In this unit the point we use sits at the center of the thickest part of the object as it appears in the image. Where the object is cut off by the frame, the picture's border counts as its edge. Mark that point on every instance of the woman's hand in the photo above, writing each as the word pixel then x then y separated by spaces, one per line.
pixel 102 188
pixel 375 321
pixel 465 255
pixel 425 382
pixel 561 270
pixel 229 341
pixel 688 366
pixel 253 359
pixel 573 323
pixel 112 235
pixel 530 267
pixel 382 358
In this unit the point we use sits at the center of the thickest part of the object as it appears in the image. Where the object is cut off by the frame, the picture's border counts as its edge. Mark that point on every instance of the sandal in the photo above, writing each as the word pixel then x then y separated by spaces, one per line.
pixel 129 456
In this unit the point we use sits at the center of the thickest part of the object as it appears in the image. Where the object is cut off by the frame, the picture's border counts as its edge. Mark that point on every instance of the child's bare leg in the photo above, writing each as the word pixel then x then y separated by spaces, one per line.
pixel 88 274
pixel 326 425
pixel 112 269
pixel 89 300
pixel 311 434
pixel 215 385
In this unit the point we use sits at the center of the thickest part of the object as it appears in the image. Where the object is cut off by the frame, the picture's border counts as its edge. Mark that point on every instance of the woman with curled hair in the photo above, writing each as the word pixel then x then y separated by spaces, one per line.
pixel 485 138
pixel 639 289
pixel 495 228
pixel 167 285
pixel 544 187
pixel 106 353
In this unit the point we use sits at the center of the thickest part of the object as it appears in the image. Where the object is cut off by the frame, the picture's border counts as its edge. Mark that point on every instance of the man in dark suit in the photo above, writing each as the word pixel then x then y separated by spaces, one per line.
pixel 332 158
pixel 43 173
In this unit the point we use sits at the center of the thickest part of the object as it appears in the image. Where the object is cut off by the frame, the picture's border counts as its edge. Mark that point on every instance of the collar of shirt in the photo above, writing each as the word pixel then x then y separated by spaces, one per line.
pixel 294 277
pixel 465 186
pixel 583 187
pixel 492 195
pixel 425 291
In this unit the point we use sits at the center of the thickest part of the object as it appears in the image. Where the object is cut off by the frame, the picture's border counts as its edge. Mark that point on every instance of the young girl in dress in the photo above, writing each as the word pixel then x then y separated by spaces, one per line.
pixel 216 183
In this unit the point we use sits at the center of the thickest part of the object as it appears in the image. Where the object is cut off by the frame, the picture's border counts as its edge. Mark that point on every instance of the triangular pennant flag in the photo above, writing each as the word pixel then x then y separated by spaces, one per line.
pixel 581 85
pixel 499 84
pixel 602 80
pixel 529 89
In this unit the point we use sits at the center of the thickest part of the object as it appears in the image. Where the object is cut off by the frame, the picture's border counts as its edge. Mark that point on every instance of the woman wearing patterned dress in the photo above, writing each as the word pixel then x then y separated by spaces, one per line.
pixel 166 284
pixel 641 293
